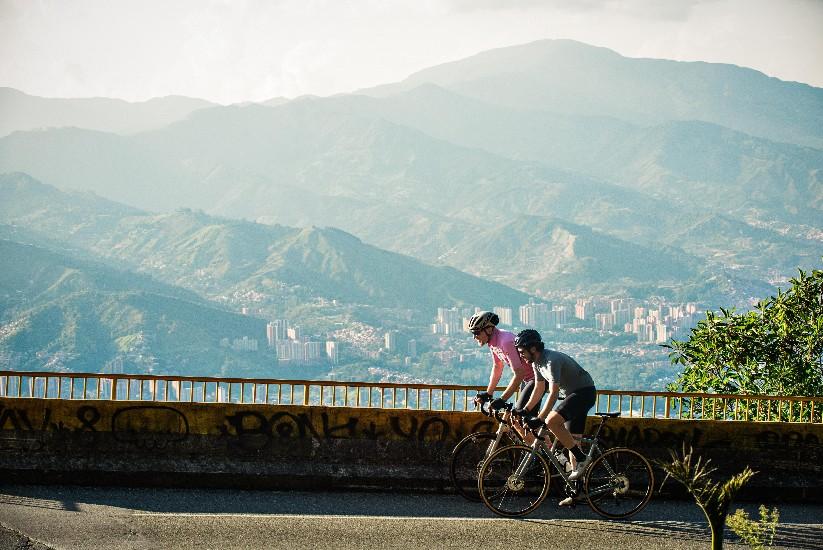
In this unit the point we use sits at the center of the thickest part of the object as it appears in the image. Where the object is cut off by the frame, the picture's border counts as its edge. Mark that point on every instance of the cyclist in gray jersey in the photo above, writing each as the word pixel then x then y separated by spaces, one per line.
pixel 555 367
pixel 554 371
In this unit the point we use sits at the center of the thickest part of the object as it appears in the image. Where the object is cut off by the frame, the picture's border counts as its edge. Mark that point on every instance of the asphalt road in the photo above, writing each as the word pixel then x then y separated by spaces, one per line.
pixel 60 517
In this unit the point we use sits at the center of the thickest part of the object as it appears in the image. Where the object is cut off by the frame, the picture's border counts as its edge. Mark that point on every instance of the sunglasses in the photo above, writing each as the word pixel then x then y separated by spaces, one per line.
pixel 478 331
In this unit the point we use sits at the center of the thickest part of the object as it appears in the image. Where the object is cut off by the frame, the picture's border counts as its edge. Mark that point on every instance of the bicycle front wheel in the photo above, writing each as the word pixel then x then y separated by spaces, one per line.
pixel 619 483
pixel 466 460
pixel 514 480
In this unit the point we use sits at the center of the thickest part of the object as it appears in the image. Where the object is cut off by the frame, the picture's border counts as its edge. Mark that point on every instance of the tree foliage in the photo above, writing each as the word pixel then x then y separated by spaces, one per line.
pixel 776 349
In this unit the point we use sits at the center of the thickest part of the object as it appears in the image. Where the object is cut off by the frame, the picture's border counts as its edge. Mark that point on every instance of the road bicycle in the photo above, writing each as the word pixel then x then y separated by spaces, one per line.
pixel 514 480
pixel 470 452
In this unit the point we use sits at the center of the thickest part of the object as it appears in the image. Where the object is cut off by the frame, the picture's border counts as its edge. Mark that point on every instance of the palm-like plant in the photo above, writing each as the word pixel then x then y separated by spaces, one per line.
pixel 713 497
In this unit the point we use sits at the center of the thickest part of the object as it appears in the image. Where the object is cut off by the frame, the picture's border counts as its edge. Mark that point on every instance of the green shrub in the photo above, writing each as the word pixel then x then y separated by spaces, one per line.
pixel 757 534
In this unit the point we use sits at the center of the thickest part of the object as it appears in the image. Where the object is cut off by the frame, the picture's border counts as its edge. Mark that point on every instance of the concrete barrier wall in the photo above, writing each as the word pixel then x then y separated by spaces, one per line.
pixel 266 446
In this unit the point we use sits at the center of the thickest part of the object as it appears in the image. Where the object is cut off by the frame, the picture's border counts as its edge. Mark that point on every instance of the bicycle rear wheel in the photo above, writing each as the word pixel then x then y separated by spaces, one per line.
pixel 619 483
pixel 466 460
pixel 514 480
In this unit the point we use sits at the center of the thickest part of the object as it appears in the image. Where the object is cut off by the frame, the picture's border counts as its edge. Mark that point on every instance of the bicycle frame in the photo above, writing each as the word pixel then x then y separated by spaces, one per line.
pixel 539 446
pixel 503 427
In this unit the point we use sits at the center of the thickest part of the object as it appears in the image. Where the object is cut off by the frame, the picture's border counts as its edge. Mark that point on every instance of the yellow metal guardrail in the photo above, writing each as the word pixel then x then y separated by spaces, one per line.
pixel 133 387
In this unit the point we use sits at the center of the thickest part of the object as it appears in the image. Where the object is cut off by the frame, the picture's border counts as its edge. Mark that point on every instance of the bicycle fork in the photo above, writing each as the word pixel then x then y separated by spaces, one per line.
pixel 515 481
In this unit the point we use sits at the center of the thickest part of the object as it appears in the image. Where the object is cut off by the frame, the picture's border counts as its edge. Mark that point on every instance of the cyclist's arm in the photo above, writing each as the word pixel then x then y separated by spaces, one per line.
pixel 537 393
pixel 518 368
pixel 497 371
pixel 554 391
pixel 513 385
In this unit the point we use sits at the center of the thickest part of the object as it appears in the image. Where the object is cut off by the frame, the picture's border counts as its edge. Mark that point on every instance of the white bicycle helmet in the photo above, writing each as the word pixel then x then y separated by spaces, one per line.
pixel 483 319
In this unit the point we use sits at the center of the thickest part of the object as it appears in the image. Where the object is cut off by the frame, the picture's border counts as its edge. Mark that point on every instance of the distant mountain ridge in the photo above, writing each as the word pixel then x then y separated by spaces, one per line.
pixel 547 253
pixel 216 255
pixel 734 170
pixel 362 174
pixel 631 154
pixel 33 274
pixel 566 76
pixel 380 180
pixel 23 112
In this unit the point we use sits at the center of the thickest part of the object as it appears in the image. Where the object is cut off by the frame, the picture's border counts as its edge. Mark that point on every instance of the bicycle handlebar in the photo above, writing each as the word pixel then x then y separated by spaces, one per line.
pixel 486 409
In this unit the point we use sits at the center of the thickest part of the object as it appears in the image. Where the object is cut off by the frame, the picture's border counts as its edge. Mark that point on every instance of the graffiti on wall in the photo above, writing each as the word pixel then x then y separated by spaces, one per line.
pixel 645 437
pixel 244 429
pixel 257 429
pixel 141 426
pixel 18 419
pixel 151 427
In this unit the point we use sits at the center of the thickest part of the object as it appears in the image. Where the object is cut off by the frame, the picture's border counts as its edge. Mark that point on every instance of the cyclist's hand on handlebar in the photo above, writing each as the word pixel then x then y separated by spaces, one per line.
pixel 482 397
pixel 480 401
pixel 519 412
pixel 498 404
pixel 535 423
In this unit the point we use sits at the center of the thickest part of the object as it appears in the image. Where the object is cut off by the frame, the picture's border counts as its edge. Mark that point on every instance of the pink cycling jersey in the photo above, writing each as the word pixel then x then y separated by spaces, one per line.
pixel 502 347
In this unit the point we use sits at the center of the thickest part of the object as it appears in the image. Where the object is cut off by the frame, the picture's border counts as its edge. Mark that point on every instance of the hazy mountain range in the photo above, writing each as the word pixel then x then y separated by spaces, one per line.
pixel 22 112
pixel 217 256
pixel 565 76
pixel 63 313
pixel 548 167
pixel 71 290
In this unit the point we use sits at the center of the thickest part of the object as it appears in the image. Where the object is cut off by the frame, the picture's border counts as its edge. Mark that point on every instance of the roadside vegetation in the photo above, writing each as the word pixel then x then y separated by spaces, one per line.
pixel 714 497
pixel 775 349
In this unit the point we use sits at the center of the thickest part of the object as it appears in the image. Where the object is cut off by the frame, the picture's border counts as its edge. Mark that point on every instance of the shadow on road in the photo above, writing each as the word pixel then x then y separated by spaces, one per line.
pixel 790 536
pixel 799 527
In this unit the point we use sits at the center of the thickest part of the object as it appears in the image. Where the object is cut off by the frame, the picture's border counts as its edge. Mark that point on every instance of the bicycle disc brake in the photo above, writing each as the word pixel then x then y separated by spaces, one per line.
pixel 515 483
pixel 620 484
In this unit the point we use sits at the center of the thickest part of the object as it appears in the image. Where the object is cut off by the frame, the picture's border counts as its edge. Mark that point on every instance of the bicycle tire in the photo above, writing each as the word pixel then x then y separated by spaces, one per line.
pixel 508 495
pixel 619 483
pixel 466 459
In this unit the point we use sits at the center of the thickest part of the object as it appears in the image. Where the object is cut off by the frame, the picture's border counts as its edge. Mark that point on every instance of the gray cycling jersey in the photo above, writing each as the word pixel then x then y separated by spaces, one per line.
pixel 554 366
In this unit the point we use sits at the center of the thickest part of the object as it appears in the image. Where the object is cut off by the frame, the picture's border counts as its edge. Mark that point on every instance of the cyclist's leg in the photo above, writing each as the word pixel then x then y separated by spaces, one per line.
pixel 528 391
pixel 570 416
pixel 576 427
pixel 575 407
pixel 525 394
pixel 557 425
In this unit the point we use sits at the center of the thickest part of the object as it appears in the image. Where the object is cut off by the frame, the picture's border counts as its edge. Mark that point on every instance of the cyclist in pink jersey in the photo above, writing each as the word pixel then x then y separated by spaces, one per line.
pixel 483 326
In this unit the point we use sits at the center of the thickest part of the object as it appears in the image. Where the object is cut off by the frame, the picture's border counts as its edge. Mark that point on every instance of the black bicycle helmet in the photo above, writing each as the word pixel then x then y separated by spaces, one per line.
pixel 527 338
pixel 483 319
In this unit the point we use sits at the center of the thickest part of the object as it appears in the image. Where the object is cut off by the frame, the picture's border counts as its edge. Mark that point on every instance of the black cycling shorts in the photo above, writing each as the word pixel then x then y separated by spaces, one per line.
pixel 575 407
pixel 526 390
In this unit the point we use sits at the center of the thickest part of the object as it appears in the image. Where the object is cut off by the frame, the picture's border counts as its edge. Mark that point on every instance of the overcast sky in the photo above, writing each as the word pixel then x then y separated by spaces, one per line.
pixel 235 50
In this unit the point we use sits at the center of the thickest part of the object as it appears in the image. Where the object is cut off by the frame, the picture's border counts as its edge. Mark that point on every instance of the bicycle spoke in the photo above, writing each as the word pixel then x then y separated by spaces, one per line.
pixel 467 458
pixel 514 481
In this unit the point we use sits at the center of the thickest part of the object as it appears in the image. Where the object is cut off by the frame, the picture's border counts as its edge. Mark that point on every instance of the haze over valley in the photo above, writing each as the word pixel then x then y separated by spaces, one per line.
pixel 597 189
